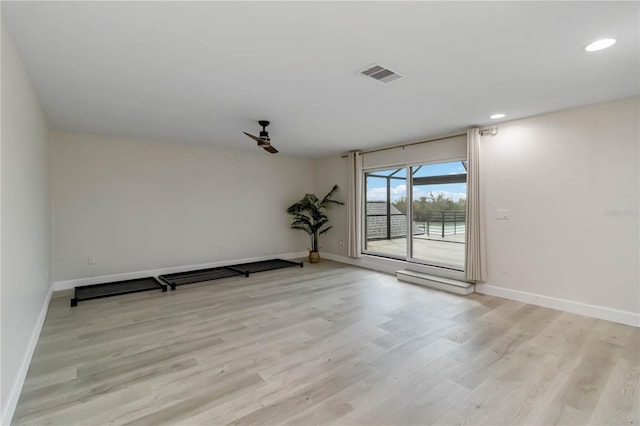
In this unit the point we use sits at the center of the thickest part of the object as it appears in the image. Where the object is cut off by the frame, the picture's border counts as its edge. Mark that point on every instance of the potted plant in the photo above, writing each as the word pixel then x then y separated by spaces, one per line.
pixel 309 215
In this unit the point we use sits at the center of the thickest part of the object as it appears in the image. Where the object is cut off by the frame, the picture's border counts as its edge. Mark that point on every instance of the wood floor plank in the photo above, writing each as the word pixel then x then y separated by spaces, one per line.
pixel 327 344
pixel 620 399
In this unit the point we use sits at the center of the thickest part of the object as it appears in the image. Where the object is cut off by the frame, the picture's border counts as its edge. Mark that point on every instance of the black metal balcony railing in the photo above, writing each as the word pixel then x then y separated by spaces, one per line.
pixel 394 225
pixel 445 223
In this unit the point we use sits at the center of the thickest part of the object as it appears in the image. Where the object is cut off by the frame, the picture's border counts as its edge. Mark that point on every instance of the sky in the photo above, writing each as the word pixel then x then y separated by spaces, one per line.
pixel 377 187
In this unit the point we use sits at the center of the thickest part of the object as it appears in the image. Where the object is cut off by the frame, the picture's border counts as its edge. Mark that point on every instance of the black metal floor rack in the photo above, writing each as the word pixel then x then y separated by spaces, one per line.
pixel 264 265
pixel 190 277
pixel 97 291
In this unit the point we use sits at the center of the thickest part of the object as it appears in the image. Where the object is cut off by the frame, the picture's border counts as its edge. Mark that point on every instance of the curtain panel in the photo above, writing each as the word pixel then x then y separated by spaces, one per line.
pixel 475 267
pixel 354 205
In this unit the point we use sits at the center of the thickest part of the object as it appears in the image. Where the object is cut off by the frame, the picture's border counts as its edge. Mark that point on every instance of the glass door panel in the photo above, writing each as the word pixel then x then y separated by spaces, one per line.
pixel 439 193
pixel 385 213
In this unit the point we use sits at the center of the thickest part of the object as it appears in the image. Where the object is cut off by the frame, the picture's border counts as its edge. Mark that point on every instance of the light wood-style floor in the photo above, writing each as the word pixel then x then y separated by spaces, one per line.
pixel 326 344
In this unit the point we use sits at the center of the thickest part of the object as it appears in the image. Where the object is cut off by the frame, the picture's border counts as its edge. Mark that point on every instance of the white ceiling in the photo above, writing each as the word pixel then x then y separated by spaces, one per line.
pixel 203 72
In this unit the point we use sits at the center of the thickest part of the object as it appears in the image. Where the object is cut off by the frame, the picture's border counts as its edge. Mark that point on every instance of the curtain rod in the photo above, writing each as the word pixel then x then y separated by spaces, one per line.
pixel 490 130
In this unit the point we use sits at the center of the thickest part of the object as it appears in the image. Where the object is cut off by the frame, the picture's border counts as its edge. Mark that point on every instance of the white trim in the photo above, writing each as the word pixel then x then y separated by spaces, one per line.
pixel 594 311
pixel 9 408
pixel 70 284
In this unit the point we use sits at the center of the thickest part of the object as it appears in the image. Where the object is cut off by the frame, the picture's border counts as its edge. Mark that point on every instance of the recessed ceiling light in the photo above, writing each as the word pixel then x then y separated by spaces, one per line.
pixel 600 44
pixel 496 116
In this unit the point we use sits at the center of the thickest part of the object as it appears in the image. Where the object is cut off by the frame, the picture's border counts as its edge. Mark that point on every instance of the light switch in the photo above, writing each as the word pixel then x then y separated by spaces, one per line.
pixel 502 214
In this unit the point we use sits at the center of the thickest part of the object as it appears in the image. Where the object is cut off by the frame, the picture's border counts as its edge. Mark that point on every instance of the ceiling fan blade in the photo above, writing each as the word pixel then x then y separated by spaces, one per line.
pixel 255 138
pixel 263 142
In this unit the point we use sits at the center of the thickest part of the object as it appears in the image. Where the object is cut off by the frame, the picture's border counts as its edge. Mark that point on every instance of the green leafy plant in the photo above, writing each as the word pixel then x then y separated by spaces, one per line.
pixel 309 215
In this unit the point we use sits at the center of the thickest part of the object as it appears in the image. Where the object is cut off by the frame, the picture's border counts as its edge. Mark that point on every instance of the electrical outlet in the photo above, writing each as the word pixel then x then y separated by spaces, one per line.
pixel 91 260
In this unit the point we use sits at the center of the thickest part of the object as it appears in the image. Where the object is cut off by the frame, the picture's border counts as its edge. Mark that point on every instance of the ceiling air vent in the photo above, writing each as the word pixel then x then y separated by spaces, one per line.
pixel 380 74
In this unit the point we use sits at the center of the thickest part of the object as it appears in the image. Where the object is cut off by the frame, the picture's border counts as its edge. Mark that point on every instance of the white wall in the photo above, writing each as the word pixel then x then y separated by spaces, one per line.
pixel 570 181
pixel 563 177
pixel 25 223
pixel 138 205
pixel 331 171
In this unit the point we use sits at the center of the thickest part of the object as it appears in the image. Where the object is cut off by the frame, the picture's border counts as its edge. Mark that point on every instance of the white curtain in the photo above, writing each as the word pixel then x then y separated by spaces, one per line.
pixel 475 265
pixel 354 204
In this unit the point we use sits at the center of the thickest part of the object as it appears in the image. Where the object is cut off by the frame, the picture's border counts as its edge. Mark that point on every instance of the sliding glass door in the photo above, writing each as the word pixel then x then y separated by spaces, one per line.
pixel 420 219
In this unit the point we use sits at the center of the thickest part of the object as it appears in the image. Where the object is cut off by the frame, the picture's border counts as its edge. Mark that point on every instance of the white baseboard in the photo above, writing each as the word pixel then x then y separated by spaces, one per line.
pixel 594 311
pixel 14 394
pixel 70 284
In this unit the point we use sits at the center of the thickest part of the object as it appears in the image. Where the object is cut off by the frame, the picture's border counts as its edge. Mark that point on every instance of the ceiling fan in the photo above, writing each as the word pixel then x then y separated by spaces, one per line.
pixel 263 140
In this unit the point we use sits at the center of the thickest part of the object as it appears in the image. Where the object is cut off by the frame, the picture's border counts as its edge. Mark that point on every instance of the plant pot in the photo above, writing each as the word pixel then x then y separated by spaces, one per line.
pixel 314 257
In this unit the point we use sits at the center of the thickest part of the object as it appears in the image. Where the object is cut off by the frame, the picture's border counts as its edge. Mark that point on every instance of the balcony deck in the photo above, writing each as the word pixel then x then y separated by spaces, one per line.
pixel 443 251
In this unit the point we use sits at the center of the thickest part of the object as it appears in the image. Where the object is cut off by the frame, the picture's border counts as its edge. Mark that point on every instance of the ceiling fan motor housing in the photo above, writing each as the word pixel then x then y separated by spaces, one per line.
pixel 263 133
